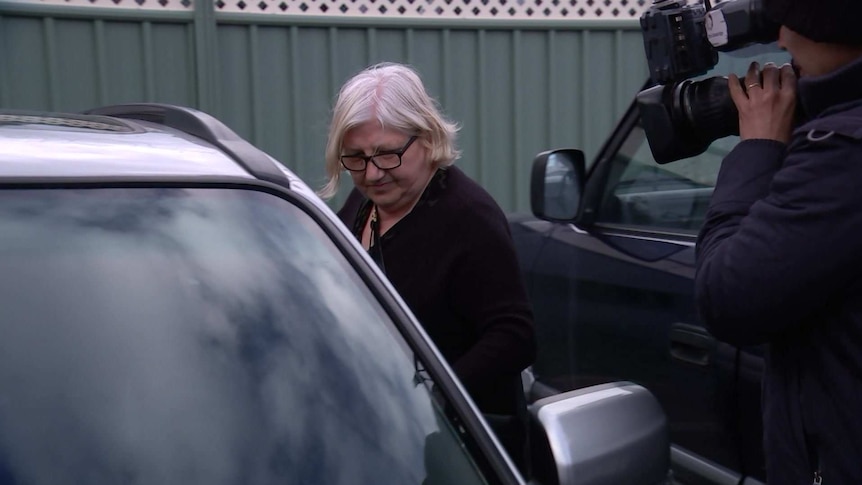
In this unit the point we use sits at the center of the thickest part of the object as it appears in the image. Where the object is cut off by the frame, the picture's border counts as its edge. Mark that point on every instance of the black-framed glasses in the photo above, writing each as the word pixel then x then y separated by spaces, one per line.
pixel 382 160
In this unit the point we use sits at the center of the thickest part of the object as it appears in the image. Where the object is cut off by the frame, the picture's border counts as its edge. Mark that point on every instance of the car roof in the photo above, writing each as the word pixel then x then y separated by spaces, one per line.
pixel 123 141
pixel 37 149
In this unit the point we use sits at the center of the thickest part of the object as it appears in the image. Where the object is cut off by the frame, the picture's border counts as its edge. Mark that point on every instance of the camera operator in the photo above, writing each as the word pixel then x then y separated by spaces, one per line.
pixel 780 256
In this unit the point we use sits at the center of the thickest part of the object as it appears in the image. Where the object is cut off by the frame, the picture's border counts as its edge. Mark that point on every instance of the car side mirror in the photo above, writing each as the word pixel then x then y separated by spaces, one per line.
pixel 614 433
pixel 556 184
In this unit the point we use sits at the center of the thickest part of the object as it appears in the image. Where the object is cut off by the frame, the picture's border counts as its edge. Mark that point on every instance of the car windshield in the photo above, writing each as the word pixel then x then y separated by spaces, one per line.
pixel 201 336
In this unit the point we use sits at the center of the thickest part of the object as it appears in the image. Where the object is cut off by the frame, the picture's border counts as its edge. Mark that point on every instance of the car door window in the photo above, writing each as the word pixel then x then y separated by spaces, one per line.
pixel 209 336
pixel 673 196
pixel 641 194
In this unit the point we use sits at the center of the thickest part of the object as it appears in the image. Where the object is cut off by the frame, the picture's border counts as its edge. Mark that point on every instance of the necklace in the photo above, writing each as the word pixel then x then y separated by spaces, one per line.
pixel 375 249
pixel 373 214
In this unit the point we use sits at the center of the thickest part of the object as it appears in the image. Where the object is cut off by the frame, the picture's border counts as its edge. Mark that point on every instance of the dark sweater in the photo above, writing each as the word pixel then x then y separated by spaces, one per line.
pixel 453 262
pixel 780 262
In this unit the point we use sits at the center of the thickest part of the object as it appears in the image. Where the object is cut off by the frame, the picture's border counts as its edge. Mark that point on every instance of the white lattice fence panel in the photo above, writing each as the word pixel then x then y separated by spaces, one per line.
pixel 479 9
pixel 484 9
pixel 182 5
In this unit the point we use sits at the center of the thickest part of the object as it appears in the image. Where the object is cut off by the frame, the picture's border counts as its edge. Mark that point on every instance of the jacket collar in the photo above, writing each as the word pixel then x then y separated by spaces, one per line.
pixel 819 94
pixel 435 188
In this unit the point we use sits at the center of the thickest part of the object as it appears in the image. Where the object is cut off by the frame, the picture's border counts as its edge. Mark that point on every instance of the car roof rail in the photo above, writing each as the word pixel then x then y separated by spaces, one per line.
pixel 206 127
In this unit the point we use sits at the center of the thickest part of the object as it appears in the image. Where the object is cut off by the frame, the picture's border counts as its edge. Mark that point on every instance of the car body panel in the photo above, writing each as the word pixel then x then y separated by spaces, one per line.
pixel 33 151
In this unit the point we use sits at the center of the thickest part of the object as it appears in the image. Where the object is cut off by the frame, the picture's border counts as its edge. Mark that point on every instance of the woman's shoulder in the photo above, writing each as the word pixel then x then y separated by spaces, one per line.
pixel 466 190
pixel 469 202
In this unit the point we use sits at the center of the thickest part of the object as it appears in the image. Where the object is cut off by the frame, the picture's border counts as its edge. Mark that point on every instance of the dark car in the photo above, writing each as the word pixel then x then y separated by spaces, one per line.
pixel 608 255
pixel 178 308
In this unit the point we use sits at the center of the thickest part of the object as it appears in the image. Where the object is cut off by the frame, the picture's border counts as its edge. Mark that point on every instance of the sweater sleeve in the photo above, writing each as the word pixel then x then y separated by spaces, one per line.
pixel 781 237
pixel 488 289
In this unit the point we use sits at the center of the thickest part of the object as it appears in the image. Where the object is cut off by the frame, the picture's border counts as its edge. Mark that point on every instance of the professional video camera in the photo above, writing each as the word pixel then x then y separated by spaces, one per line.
pixel 681 117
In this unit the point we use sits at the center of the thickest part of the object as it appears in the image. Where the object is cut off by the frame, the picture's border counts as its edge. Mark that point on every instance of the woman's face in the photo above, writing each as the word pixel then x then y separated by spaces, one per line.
pixel 393 190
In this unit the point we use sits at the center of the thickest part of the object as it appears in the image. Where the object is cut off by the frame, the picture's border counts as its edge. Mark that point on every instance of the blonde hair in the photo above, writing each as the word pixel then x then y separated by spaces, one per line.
pixel 393 95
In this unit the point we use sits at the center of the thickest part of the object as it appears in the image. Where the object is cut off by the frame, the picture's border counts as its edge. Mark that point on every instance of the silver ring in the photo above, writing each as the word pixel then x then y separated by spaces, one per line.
pixel 753 85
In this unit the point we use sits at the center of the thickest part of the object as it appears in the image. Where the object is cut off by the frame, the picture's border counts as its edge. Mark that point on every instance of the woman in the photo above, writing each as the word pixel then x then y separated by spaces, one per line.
pixel 439 237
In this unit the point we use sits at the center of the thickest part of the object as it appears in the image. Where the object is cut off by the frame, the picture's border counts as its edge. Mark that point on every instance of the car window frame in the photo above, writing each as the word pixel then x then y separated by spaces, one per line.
pixel 601 169
pixel 599 175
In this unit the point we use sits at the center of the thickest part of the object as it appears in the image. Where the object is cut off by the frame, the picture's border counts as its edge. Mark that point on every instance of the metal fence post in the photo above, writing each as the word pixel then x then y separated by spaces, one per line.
pixel 206 58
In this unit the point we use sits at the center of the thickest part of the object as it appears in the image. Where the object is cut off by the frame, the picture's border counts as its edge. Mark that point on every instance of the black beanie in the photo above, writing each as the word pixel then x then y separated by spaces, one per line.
pixel 833 21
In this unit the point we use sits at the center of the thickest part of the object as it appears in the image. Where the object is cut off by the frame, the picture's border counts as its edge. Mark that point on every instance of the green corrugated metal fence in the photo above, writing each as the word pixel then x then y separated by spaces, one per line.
pixel 516 87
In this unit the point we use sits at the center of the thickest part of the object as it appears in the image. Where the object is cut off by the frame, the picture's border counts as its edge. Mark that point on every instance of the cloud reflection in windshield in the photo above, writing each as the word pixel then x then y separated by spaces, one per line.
pixel 194 336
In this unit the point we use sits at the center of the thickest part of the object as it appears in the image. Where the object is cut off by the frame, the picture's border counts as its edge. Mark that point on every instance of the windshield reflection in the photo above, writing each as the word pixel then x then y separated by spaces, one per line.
pixel 194 336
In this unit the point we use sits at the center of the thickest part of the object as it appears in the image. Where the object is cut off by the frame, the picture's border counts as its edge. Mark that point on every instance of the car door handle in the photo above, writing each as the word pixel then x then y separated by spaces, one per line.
pixel 691 344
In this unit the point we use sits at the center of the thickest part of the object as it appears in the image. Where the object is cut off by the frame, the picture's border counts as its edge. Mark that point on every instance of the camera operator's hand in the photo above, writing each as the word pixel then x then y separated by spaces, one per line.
pixel 767 102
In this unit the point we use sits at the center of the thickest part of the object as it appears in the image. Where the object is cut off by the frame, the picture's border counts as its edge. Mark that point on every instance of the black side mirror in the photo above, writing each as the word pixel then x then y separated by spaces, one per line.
pixel 556 184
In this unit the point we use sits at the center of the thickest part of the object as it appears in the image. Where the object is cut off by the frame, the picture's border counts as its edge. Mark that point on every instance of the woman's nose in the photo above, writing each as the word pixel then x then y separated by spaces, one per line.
pixel 372 172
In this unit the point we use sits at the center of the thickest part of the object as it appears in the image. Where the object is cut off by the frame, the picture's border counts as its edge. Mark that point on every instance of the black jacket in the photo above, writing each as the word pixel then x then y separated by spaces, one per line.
pixel 779 261
pixel 453 262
